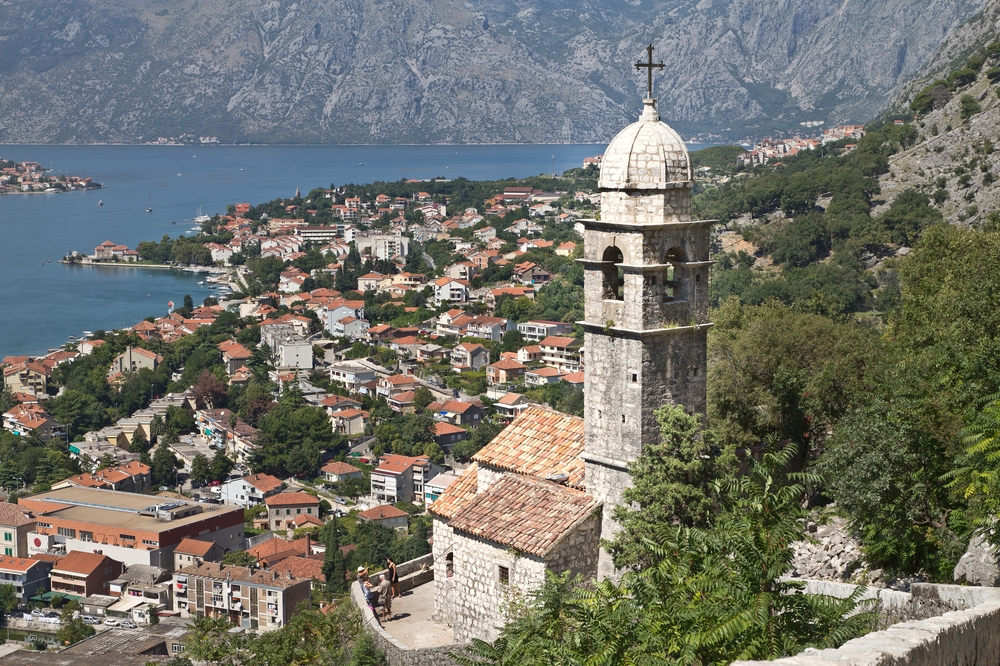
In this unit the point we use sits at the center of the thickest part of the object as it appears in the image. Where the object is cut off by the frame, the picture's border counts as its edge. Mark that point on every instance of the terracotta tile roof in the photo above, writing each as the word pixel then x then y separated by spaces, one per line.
pixel 20 564
pixel 509 399
pixel 558 341
pixel 303 519
pixel 292 499
pixel 457 495
pixel 382 512
pixel 337 467
pixel 80 563
pixel 545 372
pixel 508 364
pixel 539 442
pixel 265 483
pixel 218 571
pixel 531 515
pixel 574 378
pixel 12 515
pixel 442 428
pixel 395 464
pixel 301 567
pixel 337 400
pixel 194 547
pixel 280 548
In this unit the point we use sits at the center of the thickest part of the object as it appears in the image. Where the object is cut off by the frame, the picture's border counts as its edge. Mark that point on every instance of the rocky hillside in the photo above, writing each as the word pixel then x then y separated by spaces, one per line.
pixel 955 160
pixel 391 71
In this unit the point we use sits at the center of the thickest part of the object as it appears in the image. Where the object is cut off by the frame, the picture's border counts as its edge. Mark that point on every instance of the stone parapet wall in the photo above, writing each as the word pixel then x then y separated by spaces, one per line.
pixel 939 625
pixel 396 653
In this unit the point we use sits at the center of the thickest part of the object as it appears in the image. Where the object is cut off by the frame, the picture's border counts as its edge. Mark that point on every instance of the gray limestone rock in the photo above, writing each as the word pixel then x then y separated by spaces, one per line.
pixel 979 564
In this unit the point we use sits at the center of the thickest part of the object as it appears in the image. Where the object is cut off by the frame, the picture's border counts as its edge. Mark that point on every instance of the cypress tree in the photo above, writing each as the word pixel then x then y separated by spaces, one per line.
pixel 333 562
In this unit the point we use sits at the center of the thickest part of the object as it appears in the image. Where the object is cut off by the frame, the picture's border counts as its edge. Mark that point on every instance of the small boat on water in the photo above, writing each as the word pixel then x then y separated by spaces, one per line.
pixel 100 202
pixel 201 282
pixel 149 209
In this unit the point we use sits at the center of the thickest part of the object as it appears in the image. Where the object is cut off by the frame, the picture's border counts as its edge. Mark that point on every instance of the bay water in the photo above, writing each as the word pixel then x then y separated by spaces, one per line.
pixel 43 302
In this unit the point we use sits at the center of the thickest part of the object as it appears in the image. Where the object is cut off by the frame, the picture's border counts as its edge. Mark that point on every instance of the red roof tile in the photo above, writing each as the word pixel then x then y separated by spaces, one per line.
pixel 529 514
pixel 539 442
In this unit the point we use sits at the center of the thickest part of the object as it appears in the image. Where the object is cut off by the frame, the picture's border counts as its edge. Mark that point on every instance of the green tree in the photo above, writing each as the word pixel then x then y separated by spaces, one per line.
pixel 673 483
pixel 239 558
pixel 72 629
pixel 139 442
pixel 221 466
pixel 164 466
pixel 421 398
pixel 334 569
pixel 8 601
pixel 200 472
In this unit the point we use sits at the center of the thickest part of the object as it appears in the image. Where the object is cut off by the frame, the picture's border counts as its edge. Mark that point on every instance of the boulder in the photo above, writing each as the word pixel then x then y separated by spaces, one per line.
pixel 978 566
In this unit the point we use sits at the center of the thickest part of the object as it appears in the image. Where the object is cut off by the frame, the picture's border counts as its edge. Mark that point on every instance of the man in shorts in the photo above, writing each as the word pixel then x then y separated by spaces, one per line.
pixel 384 592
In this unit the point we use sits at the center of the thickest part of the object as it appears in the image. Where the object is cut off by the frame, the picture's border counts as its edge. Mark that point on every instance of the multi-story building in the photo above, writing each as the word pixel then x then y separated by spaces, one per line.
pixel 561 353
pixel 401 478
pixel 27 575
pixel 283 508
pixel 15 524
pixel 131 528
pixel 537 330
pixel 134 359
pixel 290 350
pixel 84 574
pixel 251 598
pixel 192 552
pixel 250 490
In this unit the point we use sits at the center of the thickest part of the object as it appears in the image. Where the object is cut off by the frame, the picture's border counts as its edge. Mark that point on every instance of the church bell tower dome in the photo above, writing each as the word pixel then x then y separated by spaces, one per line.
pixel 646 155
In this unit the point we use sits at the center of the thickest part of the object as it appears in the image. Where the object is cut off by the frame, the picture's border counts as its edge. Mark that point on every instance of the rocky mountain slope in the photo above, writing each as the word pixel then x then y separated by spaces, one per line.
pixel 393 71
pixel 956 159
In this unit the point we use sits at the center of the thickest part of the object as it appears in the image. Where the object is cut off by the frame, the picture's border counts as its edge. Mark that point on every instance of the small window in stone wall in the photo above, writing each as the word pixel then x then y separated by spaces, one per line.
pixel 504 575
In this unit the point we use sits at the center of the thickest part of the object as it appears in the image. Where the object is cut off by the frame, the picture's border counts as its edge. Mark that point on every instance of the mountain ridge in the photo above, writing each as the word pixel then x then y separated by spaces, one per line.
pixel 488 71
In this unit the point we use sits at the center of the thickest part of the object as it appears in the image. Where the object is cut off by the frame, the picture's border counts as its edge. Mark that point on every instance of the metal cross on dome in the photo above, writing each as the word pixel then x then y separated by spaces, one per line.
pixel 648 66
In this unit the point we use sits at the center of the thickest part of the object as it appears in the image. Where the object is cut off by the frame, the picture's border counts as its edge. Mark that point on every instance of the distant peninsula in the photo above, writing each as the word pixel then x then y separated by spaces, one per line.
pixel 32 178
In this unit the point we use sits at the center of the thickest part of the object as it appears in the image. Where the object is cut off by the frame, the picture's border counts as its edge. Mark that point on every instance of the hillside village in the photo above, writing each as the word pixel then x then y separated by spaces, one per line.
pixel 406 338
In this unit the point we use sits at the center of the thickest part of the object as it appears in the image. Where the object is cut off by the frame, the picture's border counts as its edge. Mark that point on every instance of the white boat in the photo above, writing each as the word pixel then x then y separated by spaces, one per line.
pixel 201 282
pixel 199 218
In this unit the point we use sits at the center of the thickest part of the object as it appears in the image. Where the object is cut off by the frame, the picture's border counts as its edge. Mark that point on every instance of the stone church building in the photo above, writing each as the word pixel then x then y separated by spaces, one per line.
pixel 542 494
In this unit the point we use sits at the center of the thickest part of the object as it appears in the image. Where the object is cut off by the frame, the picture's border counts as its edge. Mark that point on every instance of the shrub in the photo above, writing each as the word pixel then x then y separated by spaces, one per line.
pixel 969 106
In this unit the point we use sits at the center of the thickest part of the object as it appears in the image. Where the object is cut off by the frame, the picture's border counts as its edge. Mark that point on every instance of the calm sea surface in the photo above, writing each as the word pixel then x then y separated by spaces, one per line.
pixel 43 302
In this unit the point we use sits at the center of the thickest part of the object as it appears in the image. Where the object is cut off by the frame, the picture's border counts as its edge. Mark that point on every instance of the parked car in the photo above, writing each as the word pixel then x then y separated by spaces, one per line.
pixel 36 612
pixel 215 483
pixel 164 487
pixel 90 619
pixel 340 500
pixel 128 624
pixel 111 622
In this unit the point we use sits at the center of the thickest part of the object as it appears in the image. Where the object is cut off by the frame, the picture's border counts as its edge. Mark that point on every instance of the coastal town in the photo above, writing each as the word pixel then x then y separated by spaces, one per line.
pixel 403 335
pixel 33 178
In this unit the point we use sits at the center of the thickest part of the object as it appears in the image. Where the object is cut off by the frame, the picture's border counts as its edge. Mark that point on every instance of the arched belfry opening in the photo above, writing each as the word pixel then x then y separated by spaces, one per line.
pixel 673 282
pixel 614 274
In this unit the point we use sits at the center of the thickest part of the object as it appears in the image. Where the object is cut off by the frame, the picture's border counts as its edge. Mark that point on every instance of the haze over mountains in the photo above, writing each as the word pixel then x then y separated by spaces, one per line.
pixel 484 71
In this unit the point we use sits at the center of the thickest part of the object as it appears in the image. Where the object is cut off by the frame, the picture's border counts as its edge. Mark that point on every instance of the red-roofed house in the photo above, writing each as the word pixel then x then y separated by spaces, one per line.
pixel 470 356
pixel 504 371
pixel 284 507
pixel 401 478
pixel 83 574
pixel 457 412
pixel 234 355
pixel 562 353
pixel 196 551
pixel 447 435
pixel 386 515
pixel 28 576
pixel 337 471
pixel 250 490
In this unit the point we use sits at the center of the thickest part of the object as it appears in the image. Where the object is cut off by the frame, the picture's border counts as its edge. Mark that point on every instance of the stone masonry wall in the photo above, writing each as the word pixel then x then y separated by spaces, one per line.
pixel 396 653
pixel 444 542
pixel 939 625
pixel 479 598
pixel 579 550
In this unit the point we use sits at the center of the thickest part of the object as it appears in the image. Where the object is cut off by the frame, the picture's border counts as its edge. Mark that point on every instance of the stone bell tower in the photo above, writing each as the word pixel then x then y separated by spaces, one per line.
pixel 646 303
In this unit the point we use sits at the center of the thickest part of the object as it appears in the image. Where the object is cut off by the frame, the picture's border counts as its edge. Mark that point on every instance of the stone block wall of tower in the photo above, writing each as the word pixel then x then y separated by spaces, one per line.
pixel 646 266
